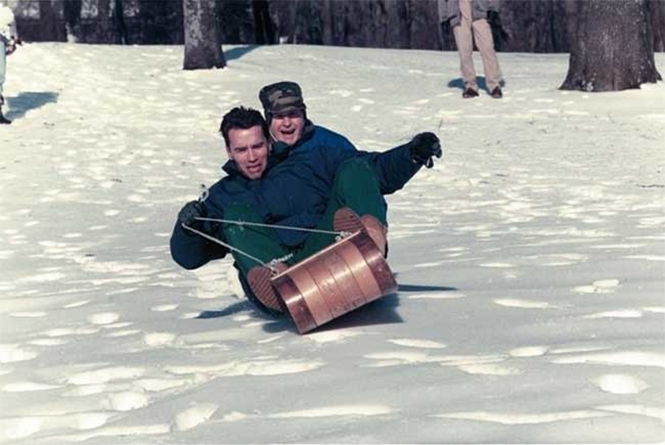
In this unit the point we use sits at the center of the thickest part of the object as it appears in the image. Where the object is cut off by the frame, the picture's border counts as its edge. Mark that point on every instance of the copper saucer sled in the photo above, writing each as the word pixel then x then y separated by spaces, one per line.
pixel 340 278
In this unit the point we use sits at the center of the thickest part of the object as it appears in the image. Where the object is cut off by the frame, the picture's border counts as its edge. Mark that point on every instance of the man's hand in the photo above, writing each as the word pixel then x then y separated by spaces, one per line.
pixel 190 212
pixel 424 147
pixel 10 48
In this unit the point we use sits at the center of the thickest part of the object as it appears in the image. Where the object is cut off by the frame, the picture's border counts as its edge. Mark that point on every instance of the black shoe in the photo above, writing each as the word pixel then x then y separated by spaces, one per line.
pixel 4 120
pixel 496 93
pixel 469 93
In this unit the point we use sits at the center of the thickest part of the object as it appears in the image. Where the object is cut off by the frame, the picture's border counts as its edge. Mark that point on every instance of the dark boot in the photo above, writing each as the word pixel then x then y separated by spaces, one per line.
pixel 496 93
pixel 3 119
pixel 469 93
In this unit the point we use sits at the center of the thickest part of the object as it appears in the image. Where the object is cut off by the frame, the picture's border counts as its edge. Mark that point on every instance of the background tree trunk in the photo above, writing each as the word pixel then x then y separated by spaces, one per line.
pixel 263 29
pixel 119 23
pixel 49 23
pixel 611 46
pixel 203 49
pixel 656 11
pixel 104 21
pixel 424 25
pixel 160 22
pixel 72 12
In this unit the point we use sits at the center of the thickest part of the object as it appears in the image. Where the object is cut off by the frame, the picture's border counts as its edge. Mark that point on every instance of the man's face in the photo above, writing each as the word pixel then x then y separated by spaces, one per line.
pixel 249 149
pixel 287 126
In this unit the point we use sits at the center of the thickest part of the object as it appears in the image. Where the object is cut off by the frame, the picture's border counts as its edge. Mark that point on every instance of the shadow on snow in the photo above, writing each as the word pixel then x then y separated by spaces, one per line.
pixel 26 101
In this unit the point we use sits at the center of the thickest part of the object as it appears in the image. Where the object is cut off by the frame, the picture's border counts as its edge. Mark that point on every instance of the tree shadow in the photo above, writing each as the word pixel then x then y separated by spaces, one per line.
pixel 238 51
pixel 26 101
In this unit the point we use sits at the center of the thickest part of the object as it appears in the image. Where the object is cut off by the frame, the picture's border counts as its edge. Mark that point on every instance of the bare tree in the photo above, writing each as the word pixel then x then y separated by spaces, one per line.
pixel 203 48
pixel 119 23
pixel 103 20
pixel 48 23
pixel 611 45
pixel 72 12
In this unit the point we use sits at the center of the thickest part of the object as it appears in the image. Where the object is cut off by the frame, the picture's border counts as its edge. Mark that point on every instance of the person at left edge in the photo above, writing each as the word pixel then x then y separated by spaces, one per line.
pixel 8 41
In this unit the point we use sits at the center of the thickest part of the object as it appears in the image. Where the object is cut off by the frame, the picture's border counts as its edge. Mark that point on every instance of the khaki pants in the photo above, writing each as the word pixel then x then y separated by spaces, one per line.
pixel 465 34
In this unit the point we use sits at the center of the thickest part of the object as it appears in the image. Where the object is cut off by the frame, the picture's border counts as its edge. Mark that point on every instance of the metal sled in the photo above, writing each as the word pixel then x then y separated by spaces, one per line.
pixel 340 278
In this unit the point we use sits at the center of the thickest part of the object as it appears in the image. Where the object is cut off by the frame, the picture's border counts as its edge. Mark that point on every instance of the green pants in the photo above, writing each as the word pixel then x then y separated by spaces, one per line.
pixel 355 187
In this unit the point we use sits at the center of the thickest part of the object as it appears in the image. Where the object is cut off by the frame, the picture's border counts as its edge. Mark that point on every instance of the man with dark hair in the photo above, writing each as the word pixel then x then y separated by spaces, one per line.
pixel 318 182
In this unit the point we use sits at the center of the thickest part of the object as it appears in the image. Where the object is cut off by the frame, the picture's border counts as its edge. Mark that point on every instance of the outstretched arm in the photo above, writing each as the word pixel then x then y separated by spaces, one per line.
pixel 188 249
pixel 395 167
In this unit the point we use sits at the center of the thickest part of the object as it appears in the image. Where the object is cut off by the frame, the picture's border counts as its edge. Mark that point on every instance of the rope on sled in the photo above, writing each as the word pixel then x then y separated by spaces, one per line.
pixel 276 226
pixel 270 264
pixel 228 246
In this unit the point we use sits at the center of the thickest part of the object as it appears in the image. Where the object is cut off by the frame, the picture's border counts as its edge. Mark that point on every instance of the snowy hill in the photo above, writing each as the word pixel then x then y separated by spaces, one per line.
pixel 530 259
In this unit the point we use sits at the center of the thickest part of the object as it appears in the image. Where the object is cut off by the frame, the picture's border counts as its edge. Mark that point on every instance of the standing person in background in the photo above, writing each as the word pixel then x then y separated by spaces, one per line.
pixel 8 41
pixel 468 20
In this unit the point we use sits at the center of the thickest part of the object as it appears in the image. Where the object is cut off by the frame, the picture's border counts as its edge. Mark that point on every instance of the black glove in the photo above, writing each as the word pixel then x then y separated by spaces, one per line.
pixel 424 146
pixel 190 212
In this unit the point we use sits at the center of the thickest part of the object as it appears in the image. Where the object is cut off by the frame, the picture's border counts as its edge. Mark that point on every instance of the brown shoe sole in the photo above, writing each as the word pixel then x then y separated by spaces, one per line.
pixel 348 221
pixel 258 279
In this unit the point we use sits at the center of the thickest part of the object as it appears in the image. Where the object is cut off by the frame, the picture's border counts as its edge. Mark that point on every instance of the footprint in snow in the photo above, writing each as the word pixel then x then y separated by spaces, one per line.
pixel 523 304
pixel 105 375
pixel 598 287
pixel 529 351
pixel 193 417
pixel 416 343
pixel 11 353
pixel 104 318
pixel 621 313
pixel 620 384
pixel 126 401
pixel 436 296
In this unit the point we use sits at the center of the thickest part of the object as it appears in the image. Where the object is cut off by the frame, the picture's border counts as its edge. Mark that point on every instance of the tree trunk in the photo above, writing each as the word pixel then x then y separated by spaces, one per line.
pixel 424 25
pixel 611 45
pixel 656 9
pixel 48 23
pixel 160 22
pixel 203 49
pixel 119 22
pixel 263 29
pixel 72 12
pixel 103 21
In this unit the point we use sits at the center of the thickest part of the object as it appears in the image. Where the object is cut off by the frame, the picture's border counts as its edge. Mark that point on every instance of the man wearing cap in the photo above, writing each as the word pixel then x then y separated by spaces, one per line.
pixel 310 174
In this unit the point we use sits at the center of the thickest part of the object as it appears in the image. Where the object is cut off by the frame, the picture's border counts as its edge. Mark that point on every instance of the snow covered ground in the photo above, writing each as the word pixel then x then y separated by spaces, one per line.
pixel 530 259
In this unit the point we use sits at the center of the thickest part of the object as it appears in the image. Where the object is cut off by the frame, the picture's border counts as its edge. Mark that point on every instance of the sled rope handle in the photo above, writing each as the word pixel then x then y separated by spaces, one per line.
pixel 270 264
pixel 343 234
pixel 228 246
pixel 205 194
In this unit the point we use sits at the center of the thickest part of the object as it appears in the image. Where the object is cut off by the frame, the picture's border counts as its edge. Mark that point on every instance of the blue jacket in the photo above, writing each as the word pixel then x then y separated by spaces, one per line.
pixel 293 191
